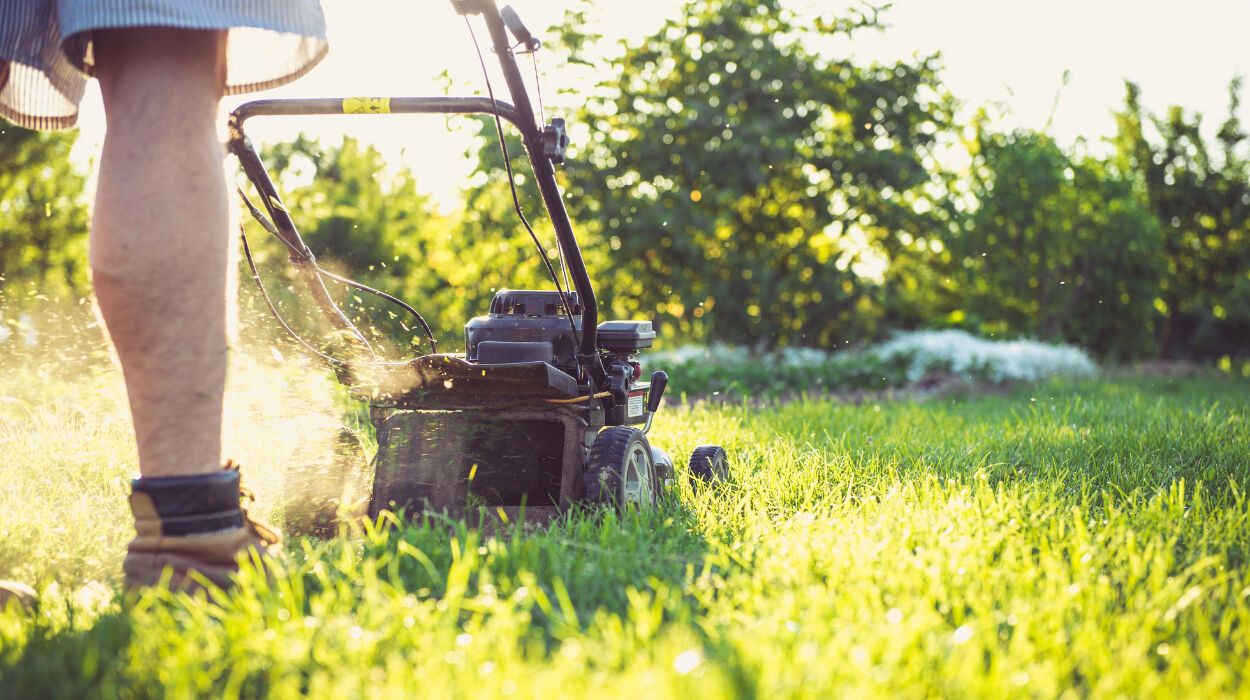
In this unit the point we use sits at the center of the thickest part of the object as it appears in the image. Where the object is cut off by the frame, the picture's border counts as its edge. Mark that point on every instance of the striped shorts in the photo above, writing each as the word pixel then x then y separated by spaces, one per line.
pixel 46 57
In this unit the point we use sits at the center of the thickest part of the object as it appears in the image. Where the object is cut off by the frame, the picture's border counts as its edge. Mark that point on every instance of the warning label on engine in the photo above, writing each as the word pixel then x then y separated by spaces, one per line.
pixel 634 409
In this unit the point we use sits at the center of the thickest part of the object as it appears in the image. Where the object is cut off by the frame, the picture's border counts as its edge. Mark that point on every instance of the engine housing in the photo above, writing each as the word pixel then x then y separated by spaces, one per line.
pixel 526 325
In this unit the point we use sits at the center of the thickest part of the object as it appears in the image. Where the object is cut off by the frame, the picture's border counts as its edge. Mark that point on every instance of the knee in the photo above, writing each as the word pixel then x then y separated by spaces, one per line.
pixel 162 70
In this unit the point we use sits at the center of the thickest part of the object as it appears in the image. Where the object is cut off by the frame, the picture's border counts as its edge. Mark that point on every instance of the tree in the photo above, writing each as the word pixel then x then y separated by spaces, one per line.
pixel 1200 193
pixel 1058 247
pixel 43 216
pixel 747 187
pixel 491 244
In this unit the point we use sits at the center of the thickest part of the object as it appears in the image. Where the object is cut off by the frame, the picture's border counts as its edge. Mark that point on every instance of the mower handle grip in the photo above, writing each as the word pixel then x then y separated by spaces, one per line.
pixel 513 22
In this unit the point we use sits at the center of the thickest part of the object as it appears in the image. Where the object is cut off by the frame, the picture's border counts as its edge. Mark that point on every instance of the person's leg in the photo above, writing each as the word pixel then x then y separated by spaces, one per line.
pixel 159 256
pixel 159 239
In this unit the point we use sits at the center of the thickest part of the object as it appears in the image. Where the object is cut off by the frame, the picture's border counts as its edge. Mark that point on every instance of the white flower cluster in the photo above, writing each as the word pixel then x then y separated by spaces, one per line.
pixel 964 354
pixel 919 353
pixel 802 357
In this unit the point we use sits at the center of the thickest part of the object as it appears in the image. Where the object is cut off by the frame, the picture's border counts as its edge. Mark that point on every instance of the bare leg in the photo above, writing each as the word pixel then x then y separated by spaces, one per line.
pixel 159 239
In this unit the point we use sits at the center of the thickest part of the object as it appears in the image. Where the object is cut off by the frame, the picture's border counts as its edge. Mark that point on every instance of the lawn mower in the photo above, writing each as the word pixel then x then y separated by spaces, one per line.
pixel 546 407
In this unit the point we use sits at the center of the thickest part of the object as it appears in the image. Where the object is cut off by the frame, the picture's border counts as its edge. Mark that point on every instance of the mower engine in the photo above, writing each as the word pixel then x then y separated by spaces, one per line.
pixel 526 326
pixel 534 326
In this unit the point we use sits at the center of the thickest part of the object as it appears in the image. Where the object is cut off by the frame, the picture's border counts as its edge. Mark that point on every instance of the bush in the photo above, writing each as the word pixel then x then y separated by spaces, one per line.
pixel 1059 248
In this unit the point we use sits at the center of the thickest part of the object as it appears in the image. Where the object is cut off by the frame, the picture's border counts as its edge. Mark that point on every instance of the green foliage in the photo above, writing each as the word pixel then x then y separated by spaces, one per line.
pixel 371 223
pixel 368 222
pixel 739 179
pixel 731 375
pixel 1200 193
pixel 923 360
pixel 736 181
pixel 43 217
pixel 1058 248
pixel 1086 539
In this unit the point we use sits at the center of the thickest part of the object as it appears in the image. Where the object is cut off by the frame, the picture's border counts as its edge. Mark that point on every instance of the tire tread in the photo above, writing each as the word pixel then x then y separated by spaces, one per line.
pixel 703 463
pixel 603 475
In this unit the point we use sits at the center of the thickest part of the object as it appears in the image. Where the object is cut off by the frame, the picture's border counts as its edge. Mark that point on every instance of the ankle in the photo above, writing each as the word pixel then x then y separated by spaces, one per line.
pixel 189 505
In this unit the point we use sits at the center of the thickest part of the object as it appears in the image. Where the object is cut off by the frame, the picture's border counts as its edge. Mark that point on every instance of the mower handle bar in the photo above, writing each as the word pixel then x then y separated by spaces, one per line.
pixel 520 114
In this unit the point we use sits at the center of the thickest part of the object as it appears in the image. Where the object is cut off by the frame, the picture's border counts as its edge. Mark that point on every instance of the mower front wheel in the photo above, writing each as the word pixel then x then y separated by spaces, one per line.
pixel 709 463
pixel 621 471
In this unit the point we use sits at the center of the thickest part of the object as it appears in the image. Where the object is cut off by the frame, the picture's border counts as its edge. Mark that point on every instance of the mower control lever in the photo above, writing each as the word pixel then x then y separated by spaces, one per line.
pixel 555 140
pixel 659 380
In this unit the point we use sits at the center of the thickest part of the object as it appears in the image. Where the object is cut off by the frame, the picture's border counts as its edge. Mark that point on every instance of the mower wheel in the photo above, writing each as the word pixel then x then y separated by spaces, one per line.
pixel 664 471
pixel 621 470
pixel 709 463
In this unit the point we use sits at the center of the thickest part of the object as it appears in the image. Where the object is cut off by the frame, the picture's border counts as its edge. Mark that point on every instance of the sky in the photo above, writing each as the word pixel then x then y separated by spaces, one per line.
pixel 1007 53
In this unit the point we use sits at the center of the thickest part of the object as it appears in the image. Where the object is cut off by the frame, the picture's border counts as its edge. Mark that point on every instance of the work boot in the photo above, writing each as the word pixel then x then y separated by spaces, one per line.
pixel 187 524
pixel 16 593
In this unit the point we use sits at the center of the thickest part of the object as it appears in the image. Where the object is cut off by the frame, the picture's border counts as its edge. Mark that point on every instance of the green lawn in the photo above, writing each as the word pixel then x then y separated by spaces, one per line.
pixel 1088 539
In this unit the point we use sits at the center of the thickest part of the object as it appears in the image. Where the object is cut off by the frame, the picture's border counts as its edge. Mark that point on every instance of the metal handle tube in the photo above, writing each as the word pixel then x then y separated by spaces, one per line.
pixel 300 255
pixel 544 172
pixel 371 105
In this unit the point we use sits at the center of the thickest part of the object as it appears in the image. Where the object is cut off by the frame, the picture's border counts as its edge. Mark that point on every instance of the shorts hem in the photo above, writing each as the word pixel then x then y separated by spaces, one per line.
pixel 36 122
pixel 279 81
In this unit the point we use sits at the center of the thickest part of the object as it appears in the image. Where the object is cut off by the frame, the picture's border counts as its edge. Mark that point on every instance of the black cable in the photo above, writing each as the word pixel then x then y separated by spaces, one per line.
pixel 264 220
pixel 516 199
pixel 538 87
pixel 273 230
pixel 542 112
pixel 429 334
pixel 273 310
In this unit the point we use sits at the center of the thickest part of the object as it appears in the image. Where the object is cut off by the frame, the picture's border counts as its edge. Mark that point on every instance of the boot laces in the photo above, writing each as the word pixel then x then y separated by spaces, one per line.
pixel 247 497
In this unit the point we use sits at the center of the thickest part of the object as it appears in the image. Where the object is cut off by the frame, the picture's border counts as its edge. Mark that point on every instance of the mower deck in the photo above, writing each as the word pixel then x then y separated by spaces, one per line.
pixel 454 461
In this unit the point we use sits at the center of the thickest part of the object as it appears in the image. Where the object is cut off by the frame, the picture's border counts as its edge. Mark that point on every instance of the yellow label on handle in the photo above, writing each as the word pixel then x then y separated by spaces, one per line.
pixel 366 105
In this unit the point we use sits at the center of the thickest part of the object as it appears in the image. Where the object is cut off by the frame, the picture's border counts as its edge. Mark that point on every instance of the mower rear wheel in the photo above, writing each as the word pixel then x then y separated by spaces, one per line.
pixel 621 471
pixel 709 463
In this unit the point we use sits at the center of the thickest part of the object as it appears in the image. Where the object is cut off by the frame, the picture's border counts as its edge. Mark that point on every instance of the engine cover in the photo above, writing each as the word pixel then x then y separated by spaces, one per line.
pixel 523 326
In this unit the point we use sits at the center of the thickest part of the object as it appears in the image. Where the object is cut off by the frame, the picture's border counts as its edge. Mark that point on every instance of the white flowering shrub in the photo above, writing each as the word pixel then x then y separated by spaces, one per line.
pixel 961 353
pixel 904 360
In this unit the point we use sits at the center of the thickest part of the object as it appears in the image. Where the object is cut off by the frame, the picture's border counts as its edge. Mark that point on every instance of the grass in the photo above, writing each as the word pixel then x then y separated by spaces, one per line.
pixel 1071 538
